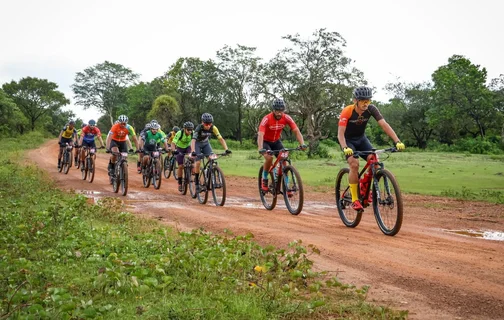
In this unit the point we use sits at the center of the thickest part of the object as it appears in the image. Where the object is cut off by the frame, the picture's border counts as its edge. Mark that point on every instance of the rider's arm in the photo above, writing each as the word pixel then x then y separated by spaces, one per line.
pixel 260 140
pixel 219 136
pixel 341 136
pixel 388 130
pixel 299 136
pixel 109 139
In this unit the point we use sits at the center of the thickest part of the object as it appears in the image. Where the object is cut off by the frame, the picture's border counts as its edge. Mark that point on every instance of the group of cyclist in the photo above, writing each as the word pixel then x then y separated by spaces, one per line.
pixel 195 140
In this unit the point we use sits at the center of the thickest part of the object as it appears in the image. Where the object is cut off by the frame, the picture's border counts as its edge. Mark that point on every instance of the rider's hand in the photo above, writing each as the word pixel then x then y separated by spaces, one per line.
pixel 262 151
pixel 193 154
pixel 400 146
pixel 175 152
pixel 102 147
pixel 131 150
pixel 228 151
pixel 303 147
pixel 347 151
pixel 107 151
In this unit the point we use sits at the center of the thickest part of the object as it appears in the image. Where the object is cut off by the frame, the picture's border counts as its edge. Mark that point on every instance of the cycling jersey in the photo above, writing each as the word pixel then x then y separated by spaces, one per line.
pixel 90 133
pixel 171 135
pixel 272 128
pixel 202 135
pixel 68 133
pixel 153 139
pixel 181 140
pixel 356 124
pixel 119 133
pixel 144 130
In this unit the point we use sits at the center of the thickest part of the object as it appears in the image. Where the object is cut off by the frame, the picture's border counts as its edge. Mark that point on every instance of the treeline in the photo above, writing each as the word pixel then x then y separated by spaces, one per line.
pixel 457 109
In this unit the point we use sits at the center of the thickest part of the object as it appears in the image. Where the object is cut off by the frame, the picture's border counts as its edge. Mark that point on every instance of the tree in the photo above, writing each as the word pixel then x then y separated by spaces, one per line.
pixel 12 120
pixel 462 101
pixel 497 88
pixel 35 98
pixel 103 86
pixel 315 78
pixel 164 109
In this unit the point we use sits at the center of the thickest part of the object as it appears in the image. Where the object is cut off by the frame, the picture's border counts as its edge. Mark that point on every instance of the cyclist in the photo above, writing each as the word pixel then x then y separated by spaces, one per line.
pixel 67 135
pixel 128 141
pixel 116 140
pixel 270 131
pixel 181 144
pixel 87 139
pixel 200 142
pixel 77 146
pixel 352 137
pixel 147 128
pixel 151 139
pixel 172 134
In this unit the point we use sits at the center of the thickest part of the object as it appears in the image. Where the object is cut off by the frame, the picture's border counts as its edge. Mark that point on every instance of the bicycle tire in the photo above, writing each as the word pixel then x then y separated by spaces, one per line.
pixel 156 174
pixel 389 225
pixel 202 195
pixel 186 179
pixel 219 187
pixel 91 169
pixel 124 178
pixel 115 178
pixel 146 176
pixel 67 162
pixel 269 198
pixel 84 172
pixel 174 167
pixel 167 168
pixel 349 216
pixel 295 186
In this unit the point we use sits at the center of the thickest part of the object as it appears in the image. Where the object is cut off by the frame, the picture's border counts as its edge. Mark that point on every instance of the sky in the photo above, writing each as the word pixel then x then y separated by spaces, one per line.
pixel 386 39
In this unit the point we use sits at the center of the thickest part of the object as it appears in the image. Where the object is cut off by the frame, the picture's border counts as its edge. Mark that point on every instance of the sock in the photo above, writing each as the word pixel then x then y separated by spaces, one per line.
pixel 353 189
pixel 196 178
pixel 179 180
pixel 265 174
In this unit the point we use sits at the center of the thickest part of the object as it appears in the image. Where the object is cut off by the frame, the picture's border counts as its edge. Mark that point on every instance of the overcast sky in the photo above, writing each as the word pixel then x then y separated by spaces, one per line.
pixel 387 39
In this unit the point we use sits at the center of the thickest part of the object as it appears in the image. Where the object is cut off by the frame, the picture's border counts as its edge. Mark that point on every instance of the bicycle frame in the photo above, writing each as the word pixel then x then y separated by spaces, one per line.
pixel 282 160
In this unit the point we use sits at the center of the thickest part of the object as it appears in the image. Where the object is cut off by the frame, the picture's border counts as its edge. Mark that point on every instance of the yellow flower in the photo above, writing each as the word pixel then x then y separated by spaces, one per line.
pixel 259 269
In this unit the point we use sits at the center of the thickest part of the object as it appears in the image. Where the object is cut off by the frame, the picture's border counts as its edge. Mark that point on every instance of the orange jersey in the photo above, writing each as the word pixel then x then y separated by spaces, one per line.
pixel 356 124
pixel 119 133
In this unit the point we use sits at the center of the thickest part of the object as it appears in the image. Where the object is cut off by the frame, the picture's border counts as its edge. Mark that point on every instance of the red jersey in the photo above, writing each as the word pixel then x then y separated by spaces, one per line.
pixel 90 133
pixel 272 127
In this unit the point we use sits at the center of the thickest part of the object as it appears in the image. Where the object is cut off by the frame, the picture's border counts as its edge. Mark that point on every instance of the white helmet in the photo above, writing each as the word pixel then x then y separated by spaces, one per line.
pixel 123 118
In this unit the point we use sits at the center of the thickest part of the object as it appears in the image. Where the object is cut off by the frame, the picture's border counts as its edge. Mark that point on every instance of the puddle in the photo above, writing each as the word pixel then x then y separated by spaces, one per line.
pixel 90 192
pixel 487 235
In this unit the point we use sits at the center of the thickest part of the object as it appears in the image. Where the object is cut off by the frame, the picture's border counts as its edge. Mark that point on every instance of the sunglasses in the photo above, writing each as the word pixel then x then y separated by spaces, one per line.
pixel 365 101
pixel 190 130
pixel 207 123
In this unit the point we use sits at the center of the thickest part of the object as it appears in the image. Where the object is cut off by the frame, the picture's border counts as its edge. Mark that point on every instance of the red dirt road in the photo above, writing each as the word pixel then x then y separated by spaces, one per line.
pixel 430 272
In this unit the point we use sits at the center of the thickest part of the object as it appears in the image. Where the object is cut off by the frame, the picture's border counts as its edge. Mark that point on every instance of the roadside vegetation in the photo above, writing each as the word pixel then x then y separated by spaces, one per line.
pixel 62 258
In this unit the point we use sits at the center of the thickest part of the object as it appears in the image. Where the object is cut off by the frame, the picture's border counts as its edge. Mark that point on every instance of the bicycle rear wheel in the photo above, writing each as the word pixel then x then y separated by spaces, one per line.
pixel 84 170
pixel 203 194
pixel 91 169
pixel 349 216
pixel 116 178
pixel 292 190
pixel 167 168
pixel 387 202
pixel 67 162
pixel 218 185
pixel 268 198
pixel 156 174
pixel 146 176
pixel 124 178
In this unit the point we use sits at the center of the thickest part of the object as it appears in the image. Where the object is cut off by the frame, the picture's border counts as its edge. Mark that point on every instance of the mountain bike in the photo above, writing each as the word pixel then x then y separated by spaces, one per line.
pixel 187 176
pixel 88 167
pixel 66 159
pixel 170 165
pixel 283 178
pixel 119 177
pixel 212 178
pixel 152 171
pixel 385 193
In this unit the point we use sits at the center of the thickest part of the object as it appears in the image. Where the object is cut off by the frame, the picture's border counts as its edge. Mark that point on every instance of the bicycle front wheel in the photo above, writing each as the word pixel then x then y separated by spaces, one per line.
pixel 292 190
pixel 349 216
pixel 268 198
pixel 167 168
pixel 387 202
pixel 146 176
pixel 84 170
pixel 202 195
pixel 124 178
pixel 116 178
pixel 67 162
pixel 218 185
pixel 156 174
pixel 174 167
pixel 91 169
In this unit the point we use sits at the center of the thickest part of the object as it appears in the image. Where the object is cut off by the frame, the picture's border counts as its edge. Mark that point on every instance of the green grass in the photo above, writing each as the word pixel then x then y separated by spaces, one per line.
pixel 61 258
pixel 471 177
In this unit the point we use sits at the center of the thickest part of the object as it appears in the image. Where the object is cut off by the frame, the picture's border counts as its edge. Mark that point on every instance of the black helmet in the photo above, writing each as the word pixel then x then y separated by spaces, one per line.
pixel 363 93
pixel 176 129
pixel 188 125
pixel 278 104
pixel 207 117
pixel 71 122
pixel 92 122
pixel 83 125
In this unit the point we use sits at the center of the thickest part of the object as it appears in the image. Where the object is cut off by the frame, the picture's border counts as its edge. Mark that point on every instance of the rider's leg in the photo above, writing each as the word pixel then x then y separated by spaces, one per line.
pixel 353 177
pixel 140 155
pixel 180 161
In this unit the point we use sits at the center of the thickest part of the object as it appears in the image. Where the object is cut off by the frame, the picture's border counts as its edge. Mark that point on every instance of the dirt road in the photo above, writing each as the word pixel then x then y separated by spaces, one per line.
pixel 433 273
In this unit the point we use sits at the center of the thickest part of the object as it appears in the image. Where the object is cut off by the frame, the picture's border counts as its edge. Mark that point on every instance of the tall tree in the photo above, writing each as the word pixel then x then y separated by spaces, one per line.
pixel 35 98
pixel 165 108
pixel 12 120
pixel 103 86
pixel 497 88
pixel 315 78
pixel 462 100
pixel 237 69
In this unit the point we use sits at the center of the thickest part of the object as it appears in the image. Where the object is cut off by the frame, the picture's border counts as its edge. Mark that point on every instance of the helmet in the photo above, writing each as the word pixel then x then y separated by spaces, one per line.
pixel 207 117
pixel 83 125
pixel 176 129
pixel 278 104
pixel 92 122
pixel 188 125
pixel 363 93
pixel 71 122
pixel 155 126
pixel 154 121
pixel 148 126
pixel 122 118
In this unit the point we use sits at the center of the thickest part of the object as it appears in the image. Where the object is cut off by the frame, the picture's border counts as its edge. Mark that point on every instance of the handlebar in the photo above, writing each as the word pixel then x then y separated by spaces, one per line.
pixel 275 152
pixel 356 154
